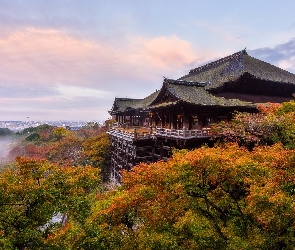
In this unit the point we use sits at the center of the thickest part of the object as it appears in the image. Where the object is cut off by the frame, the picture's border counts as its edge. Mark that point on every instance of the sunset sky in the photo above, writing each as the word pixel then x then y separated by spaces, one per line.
pixel 69 59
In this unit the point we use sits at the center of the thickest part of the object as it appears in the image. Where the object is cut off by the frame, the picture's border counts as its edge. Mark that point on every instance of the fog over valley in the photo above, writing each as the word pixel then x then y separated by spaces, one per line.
pixel 7 144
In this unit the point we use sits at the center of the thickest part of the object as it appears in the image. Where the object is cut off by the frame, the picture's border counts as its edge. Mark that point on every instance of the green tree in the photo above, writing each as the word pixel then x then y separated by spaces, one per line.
pixel 61 132
pixel 97 151
pixel 35 191
pixel 33 137
pixel 5 132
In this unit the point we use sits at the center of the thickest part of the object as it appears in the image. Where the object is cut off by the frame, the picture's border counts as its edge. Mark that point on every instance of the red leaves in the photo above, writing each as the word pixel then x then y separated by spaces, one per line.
pixel 274 123
pixel 242 197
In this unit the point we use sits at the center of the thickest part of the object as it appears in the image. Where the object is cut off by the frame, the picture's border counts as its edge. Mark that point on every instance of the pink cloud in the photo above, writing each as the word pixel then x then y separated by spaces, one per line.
pixel 52 74
pixel 49 57
pixel 166 56
pixel 167 52
pixel 171 56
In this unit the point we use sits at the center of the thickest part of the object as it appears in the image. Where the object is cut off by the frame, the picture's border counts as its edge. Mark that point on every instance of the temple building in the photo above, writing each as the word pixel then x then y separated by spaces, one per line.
pixel 180 114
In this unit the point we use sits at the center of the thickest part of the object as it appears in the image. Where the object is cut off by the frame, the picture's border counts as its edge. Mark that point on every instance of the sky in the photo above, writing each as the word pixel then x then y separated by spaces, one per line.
pixel 69 59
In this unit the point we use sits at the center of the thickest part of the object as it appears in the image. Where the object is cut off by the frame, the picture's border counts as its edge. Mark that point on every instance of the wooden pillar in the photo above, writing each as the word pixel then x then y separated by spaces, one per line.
pixel 183 120
pixel 152 118
pixel 135 135
pixel 161 152
pixel 151 130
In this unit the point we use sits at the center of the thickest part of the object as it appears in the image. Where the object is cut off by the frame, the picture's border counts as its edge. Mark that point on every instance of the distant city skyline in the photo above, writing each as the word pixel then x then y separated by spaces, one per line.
pixel 21 125
pixel 68 60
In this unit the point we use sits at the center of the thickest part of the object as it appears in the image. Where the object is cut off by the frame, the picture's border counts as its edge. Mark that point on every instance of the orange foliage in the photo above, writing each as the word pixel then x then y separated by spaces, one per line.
pixel 221 198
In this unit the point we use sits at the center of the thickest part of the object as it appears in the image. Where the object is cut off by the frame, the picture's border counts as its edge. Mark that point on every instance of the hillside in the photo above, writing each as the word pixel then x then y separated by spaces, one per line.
pixel 240 194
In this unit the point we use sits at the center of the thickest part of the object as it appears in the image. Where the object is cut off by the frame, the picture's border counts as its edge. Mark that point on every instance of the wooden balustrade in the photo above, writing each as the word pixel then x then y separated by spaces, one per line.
pixel 183 134
pixel 161 132
pixel 129 136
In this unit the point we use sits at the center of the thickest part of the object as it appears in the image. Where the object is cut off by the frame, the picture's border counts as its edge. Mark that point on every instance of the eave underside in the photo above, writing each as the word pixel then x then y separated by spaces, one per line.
pixel 191 108
pixel 254 98
pixel 250 85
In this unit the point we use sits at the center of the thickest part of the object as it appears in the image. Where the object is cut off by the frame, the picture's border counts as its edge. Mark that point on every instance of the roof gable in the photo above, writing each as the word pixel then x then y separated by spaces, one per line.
pixel 165 94
pixel 122 104
pixel 168 92
pixel 243 78
pixel 233 62
pixel 231 68
pixel 179 91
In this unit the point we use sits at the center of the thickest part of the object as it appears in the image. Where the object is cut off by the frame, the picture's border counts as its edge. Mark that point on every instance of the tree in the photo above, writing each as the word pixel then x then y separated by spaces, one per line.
pixel 5 132
pixel 208 198
pixel 274 123
pixel 33 137
pixel 61 132
pixel 58 145
pixel 91 129
pixel 67 151
pixel 35 191
pixel 97 151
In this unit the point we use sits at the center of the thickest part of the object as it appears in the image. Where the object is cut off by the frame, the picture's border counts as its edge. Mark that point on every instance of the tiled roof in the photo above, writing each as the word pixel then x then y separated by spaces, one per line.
pixel 149 99
pixel 220 83
pixel 193 93
pixel 123 104
pixel 231 68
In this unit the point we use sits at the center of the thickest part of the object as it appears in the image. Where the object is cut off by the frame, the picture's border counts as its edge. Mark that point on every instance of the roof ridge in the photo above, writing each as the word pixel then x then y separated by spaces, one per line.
pixel 183 82
pixel 221 60
pixel 126 99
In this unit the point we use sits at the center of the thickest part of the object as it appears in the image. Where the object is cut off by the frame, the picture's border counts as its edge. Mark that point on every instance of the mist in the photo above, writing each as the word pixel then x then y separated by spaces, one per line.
pixel 10 148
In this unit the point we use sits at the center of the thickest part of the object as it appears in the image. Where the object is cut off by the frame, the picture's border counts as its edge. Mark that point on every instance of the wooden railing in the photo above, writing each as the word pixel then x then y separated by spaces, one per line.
pixel 160 132
pixel 130 136
pixel 183 134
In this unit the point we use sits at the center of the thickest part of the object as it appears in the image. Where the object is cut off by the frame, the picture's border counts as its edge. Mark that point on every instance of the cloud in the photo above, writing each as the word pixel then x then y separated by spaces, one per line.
pixel 150 58
pixel 166 52
pixel 47 57
pixel 73 91
pixel 282 55
pixel 45 71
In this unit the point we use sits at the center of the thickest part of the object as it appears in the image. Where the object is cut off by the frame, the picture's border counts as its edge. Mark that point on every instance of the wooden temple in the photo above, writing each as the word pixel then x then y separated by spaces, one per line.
pixel 180 114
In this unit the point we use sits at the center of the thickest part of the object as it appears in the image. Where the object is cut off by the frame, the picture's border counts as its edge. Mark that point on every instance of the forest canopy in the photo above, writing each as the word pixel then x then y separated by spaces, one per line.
pixel 239 194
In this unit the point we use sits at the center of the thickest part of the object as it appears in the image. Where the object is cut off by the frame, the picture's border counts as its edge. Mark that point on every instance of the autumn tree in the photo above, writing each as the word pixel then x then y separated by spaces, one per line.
pixel 274 123
pixel 41 134
pixel 91 129
pixel 97 151
pixel 87 146
pixel 60 132
pixel 208 198
pixel 34 192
